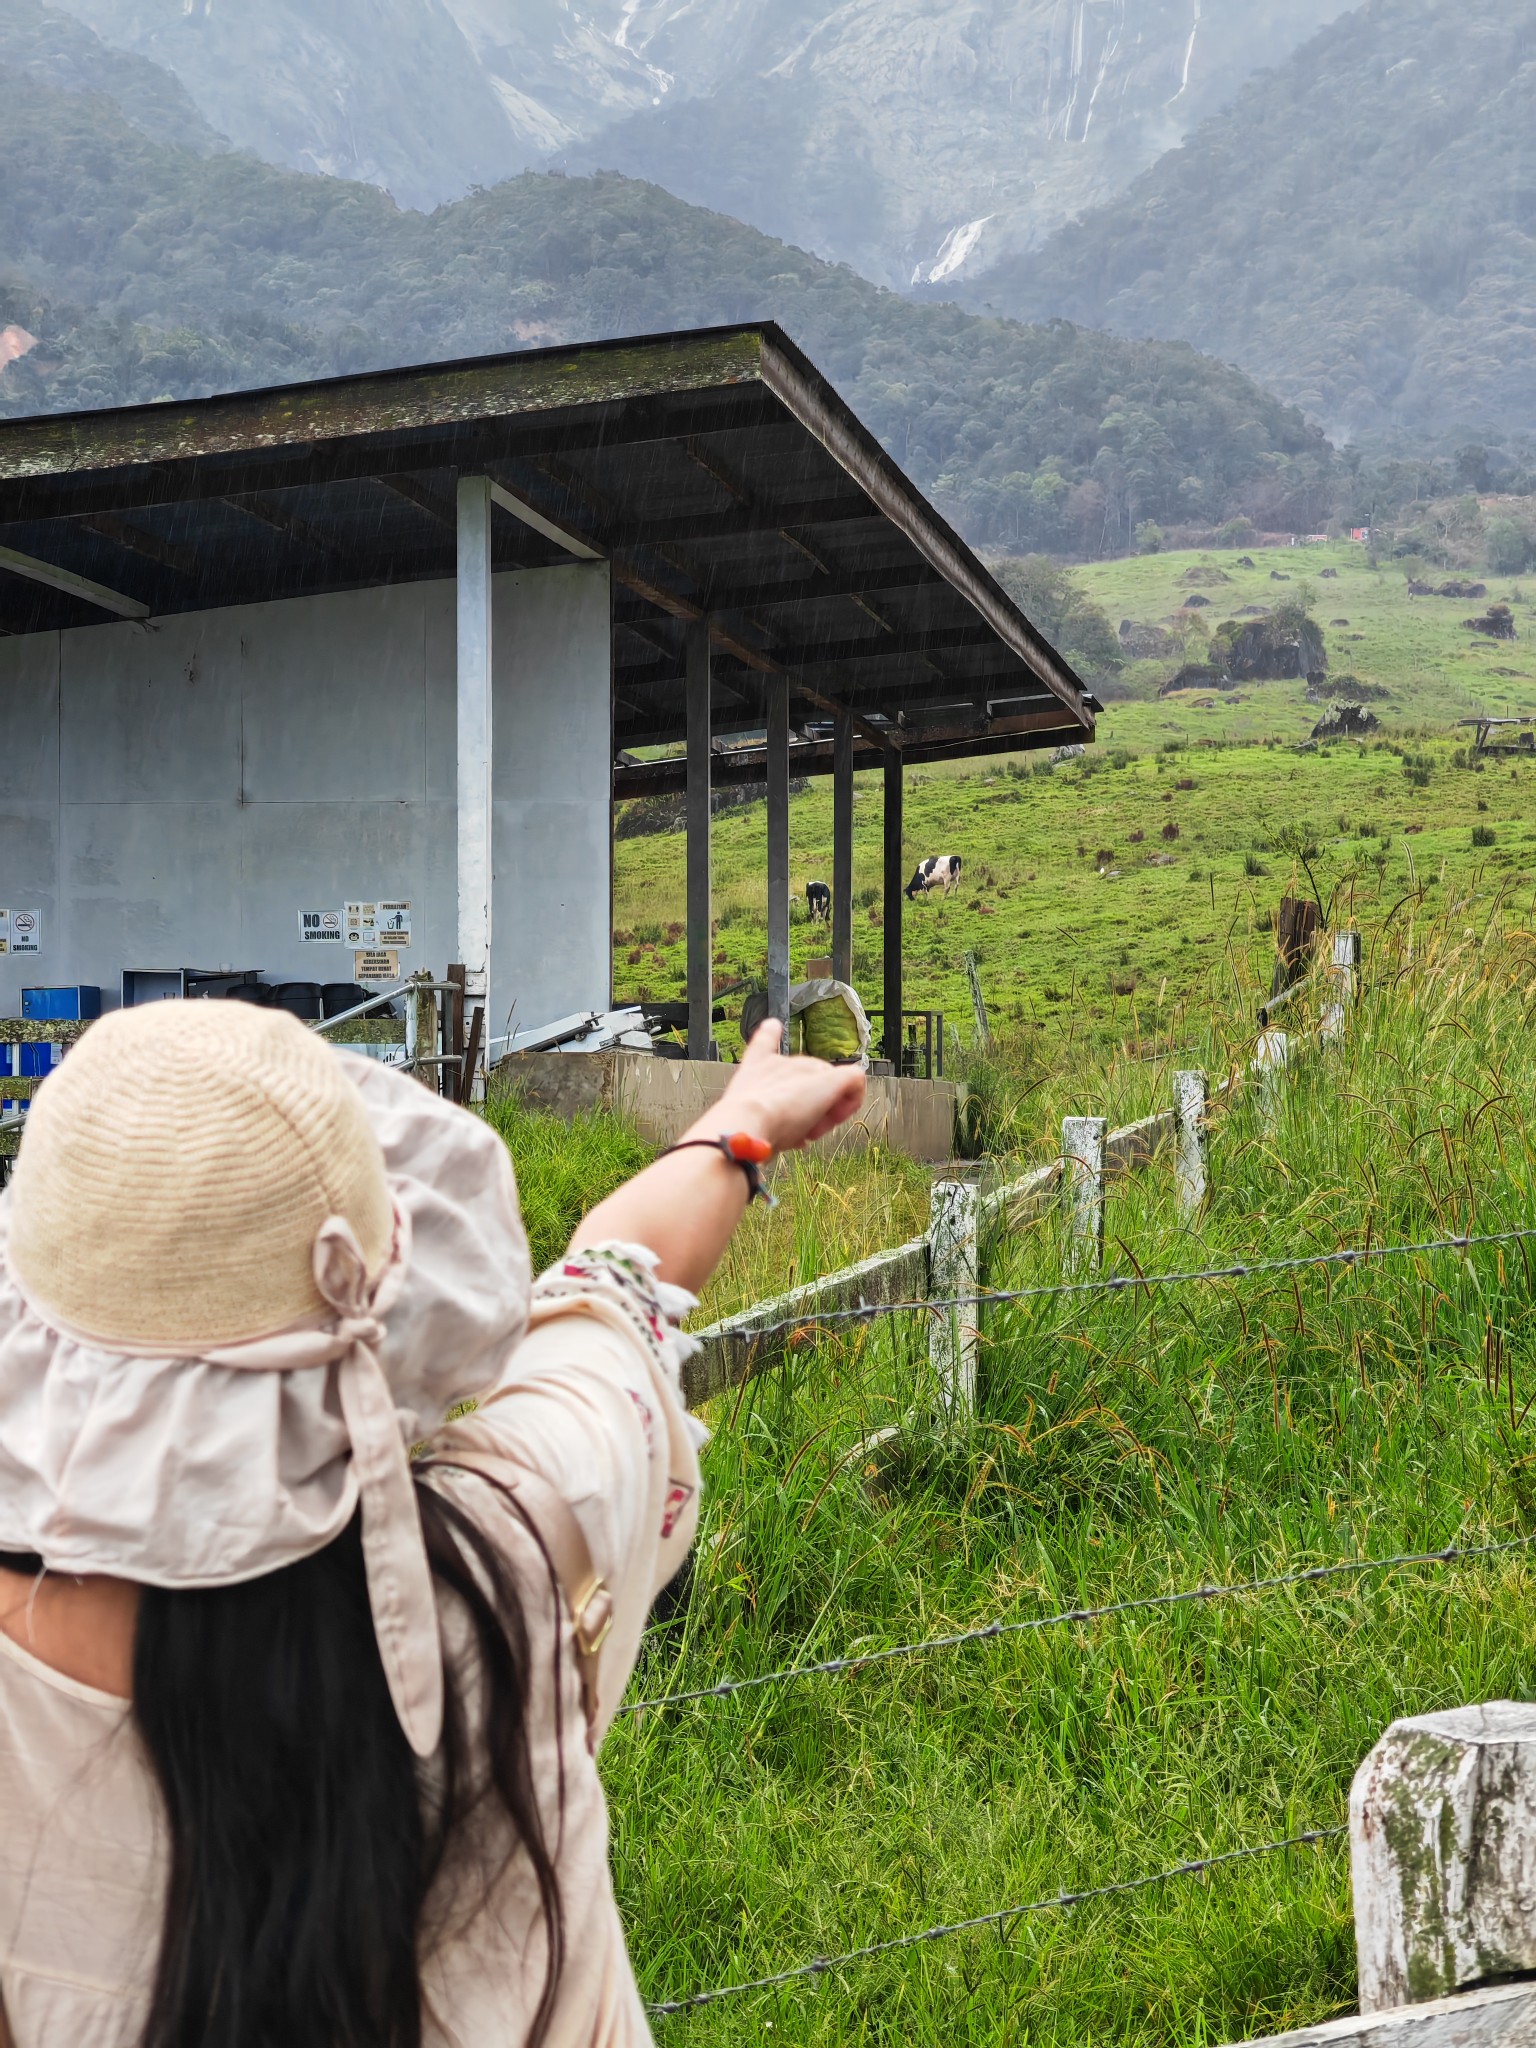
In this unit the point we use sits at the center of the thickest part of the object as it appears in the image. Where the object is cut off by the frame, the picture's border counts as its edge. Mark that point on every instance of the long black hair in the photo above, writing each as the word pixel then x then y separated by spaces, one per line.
pixel 304 1836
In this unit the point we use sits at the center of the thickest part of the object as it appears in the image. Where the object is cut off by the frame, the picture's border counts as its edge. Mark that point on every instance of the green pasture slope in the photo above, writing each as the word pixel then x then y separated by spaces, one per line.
pixel 1124 1446
pixel 1186 793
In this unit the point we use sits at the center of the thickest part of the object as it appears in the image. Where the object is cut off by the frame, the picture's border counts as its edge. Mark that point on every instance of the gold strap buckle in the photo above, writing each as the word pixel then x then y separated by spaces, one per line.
pixel 591 1635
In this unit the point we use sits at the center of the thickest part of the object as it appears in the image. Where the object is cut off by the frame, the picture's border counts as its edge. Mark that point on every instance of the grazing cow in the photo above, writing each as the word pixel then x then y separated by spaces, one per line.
pixel 818 901
pixel 940 870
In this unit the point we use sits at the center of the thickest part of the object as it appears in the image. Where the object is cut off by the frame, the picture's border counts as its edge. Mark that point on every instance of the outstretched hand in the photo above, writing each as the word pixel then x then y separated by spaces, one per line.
pixel 788 1101
pixel 686 1204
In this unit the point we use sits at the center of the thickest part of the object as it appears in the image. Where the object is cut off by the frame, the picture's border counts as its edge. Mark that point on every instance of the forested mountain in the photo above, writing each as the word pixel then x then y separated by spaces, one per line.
pixel 899 135
pixel 141 268
pixel 1358 229
pixel 923 140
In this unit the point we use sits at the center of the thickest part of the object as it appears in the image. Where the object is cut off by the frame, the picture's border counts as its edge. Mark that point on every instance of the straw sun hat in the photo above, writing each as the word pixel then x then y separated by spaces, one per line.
pixel 240 1273
pixel 178 1168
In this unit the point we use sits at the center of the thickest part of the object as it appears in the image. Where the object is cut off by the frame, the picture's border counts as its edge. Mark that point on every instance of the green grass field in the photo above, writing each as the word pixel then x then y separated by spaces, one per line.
pixel 1069 957
pixel 1124 1446
pixel 1415 648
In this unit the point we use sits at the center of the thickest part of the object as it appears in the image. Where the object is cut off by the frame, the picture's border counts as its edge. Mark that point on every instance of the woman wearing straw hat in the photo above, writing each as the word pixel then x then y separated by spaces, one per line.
pixel 297 1732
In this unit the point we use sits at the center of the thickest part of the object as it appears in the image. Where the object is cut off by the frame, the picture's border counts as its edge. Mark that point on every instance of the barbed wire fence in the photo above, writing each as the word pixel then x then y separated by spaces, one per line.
pixel 1128 1283
pixel 1061 1902
pixel 1347 1257
pixel 993 1631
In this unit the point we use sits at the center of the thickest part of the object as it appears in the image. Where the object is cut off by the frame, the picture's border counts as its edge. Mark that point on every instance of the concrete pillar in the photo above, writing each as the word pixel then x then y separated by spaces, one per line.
pixel 1442 1830
pixel 895 882
pixel 552 795
pixel 778 851
pixel 1272 1055
pixel 1082 1152
pixel 1191 1107
pixel 842 847
pixel 1346 966
pixel 701 1037
pixel 953 1273
pixel 474 735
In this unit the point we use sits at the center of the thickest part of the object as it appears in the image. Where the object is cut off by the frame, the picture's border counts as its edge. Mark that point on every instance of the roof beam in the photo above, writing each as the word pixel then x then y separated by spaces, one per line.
pixel 748 764
pixel 134 538
pixel 65 580
pixel 256 505
pixel 517 506
pixel 730 525
pixel 424 500
pixel 65 493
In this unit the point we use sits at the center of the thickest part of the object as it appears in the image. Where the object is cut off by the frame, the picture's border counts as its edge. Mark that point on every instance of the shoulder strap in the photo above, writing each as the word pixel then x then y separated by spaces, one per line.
pixel 552 1522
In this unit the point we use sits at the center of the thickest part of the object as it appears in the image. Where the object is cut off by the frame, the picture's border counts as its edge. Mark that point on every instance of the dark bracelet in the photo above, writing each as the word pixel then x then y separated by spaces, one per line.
pixel 750 1154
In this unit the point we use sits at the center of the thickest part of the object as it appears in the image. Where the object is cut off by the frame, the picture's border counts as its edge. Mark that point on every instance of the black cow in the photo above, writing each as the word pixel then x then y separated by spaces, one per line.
pixel 940 871
pixel 818 901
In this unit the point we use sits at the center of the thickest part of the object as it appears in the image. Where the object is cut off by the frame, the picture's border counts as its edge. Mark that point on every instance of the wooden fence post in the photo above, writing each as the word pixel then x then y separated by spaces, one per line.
pixel 1442 1825
pixel 978 1004
pixel 1082 1152
pixel 1191 1108
pixel 1346 961
pixel 954 1270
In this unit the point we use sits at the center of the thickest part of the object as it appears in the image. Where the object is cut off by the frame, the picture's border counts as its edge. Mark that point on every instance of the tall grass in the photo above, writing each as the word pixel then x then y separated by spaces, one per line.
pixel 832 1210
pixel 563 1168
pixel 1122 1445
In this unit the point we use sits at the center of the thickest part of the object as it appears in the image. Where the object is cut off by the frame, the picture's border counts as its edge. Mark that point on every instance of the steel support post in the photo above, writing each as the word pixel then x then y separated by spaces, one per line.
pixel 701 1037
pixel 842 847
pixel 895 875
pixel 778 851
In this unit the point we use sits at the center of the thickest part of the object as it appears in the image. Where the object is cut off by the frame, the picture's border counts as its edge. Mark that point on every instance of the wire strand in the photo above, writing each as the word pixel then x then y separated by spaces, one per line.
pixel 992 1630
pixel 821 1966
pixel 1119 1283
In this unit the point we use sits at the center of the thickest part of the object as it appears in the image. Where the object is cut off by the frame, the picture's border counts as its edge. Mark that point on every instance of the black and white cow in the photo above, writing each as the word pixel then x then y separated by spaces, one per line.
pixel 818 901
pixel 939 871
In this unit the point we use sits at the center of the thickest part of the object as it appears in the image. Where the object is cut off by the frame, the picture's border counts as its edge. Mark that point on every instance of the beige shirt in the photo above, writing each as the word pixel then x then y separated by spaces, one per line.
pixel 589 1406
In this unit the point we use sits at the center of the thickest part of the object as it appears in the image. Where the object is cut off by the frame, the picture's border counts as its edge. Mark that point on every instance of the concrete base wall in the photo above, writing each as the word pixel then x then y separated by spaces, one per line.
pixel 663 1097
pixel 173 797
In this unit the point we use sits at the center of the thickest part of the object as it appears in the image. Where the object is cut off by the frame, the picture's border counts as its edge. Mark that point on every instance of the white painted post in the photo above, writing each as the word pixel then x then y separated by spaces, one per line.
pixel 1191 1107
pixel 1082 1151
pixel 1346 960
pixel 1272 1055
pixel 954 1268
pixel 474 736
pixel 1442 1825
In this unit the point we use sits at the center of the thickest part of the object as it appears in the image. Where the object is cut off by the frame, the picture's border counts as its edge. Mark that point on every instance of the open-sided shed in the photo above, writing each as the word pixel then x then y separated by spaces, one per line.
pixel 405 636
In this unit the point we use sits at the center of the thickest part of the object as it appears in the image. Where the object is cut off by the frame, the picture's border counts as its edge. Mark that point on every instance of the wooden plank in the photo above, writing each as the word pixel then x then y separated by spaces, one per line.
pixel 468 1081
pixel 732 1351
pixel 1505 2014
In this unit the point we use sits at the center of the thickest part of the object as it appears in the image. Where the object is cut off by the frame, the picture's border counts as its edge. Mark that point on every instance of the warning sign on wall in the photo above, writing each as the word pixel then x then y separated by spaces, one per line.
pixel 26 931
pixel 322 927
pixel 379 924
pixel 376 964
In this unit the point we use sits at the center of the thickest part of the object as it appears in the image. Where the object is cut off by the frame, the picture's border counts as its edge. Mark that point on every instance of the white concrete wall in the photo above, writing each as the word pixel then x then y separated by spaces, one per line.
pixel 552 795
pixel 173 797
